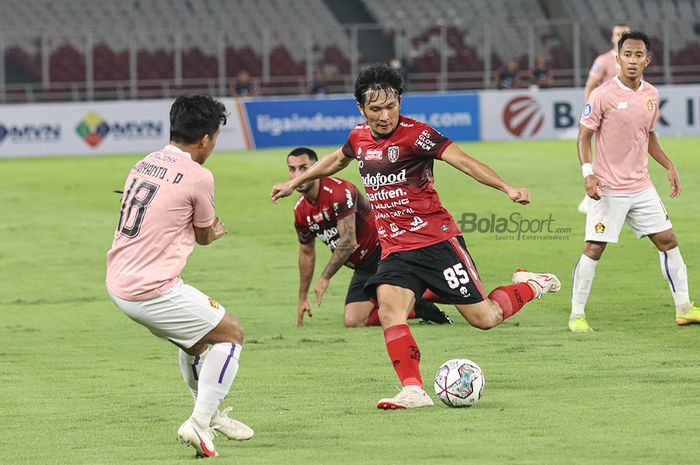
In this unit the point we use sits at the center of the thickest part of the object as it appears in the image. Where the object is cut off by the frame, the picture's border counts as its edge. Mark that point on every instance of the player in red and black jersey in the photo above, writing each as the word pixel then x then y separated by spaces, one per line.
pixel 335 211
pixel 422 247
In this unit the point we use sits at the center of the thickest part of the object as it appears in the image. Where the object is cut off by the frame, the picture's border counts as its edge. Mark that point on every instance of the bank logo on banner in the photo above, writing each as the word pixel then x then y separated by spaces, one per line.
pixel 92 129
pixel 523 116
pixel 30 133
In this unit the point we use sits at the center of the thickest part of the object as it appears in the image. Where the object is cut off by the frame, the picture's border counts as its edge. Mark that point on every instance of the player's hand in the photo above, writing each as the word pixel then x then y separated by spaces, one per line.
pixel 519 195
pixel 320 289
pixel 280 190
pixel 593 186
pixel 675 182
pixel 303 307
pixel 218 229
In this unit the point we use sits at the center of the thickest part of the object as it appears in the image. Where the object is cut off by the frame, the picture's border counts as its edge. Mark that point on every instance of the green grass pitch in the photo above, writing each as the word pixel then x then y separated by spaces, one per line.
pixel 81 384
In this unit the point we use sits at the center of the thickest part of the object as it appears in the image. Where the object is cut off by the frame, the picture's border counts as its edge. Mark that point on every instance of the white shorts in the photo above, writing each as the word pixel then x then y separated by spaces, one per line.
pixel 182 315
pixel 644 213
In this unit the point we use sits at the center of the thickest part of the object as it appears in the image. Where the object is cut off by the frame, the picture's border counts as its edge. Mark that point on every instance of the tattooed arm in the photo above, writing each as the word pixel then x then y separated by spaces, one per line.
pixel 345 247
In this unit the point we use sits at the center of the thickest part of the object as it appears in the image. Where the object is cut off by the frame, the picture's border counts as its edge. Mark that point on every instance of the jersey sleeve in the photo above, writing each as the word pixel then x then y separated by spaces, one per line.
pixel 597 69
pixel 657 113
pixel 430 143
pixel 304 234
pixel 348 151
pixel 345 201
pixel 203 201
pixel 592 111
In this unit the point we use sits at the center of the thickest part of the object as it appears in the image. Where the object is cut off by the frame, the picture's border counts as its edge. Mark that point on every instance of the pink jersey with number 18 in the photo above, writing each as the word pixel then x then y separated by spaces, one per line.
pixel 165 195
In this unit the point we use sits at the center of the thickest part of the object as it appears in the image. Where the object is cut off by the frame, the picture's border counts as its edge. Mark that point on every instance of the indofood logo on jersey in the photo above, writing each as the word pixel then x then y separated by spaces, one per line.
pixel 375 181
pixel 523 116
pixel 93 129
pixel 28 133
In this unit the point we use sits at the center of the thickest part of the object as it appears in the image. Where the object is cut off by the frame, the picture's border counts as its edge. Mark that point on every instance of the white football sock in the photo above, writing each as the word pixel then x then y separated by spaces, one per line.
pixel 583 275
pixel 190 366
pixel 215 379
pixel 673 269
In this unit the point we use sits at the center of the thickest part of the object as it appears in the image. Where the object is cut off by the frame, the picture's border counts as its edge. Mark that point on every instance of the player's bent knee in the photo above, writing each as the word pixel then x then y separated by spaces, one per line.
pixel 390 316
pixel 229 329
pixel 670 243
pixel 594 250
pixel 485 322
pixel 487 316
pixel 353 322
pixel 196 349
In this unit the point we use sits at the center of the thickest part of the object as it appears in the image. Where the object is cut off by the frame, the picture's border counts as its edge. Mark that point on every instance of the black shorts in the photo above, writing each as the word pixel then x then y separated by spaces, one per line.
pixel 360 277
pixel 446 268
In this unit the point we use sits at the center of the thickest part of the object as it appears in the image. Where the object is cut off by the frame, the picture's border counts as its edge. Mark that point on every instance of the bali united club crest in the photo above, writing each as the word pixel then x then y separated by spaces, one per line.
pixel 393 153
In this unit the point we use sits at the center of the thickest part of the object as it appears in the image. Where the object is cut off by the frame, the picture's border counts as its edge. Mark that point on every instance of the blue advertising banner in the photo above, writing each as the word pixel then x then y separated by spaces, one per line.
pixel 327 121
pixel 455 115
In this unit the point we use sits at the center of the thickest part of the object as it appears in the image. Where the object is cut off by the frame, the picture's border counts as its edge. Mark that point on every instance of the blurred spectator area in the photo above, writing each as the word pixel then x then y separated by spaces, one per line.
pixel 243 30
pixel 178 41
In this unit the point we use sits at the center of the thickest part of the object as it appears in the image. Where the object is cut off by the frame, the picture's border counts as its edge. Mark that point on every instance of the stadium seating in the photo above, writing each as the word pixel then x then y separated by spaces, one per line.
pixel 190 35
pixel 157 23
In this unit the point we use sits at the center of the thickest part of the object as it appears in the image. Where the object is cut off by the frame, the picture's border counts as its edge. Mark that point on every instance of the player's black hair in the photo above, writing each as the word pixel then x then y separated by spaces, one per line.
pixel 193 116
pixel 376 78
pixel 299 151
pixel 633 35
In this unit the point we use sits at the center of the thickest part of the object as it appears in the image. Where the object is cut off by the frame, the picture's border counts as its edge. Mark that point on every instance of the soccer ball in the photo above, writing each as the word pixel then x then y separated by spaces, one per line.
pixel 459 383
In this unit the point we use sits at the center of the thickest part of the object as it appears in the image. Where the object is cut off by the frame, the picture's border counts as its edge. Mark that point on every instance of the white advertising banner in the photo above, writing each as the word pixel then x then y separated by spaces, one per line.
pixel 89 128
pixel 554 113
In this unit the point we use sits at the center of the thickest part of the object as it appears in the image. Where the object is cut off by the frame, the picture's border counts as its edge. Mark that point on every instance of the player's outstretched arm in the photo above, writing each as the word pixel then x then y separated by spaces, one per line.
pixel 662 159
pixel 326 166
pixel 591 181
pixel 307 263
pixel 205 236
pixel 481 172
pixel 346 245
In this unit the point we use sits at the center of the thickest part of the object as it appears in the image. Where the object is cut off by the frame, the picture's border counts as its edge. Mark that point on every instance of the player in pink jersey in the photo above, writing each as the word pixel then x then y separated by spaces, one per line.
pixel 623 114
pixel 422 248
pixel 167 206
pixel 605 68
pixel 334 211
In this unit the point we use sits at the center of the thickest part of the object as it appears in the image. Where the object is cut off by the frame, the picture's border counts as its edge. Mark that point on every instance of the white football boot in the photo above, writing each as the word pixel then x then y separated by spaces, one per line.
pixel 409 397
pixel 202 439
pixel 541 283
pixel 232 429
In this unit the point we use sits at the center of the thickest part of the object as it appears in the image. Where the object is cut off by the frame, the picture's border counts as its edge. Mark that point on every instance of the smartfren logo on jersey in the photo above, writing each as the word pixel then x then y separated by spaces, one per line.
pixel 94 129
pixel 373 154
pixel 375 181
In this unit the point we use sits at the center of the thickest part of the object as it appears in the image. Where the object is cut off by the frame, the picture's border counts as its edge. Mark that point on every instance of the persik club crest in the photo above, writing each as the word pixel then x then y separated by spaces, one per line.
pixel 213 303
pixel 393 153
pixel 650 105
pixel 599 228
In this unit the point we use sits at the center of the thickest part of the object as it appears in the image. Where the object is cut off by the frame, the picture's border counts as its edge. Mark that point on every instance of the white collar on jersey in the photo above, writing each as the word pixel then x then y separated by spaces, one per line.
pixel 172 148
pixel 624 87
